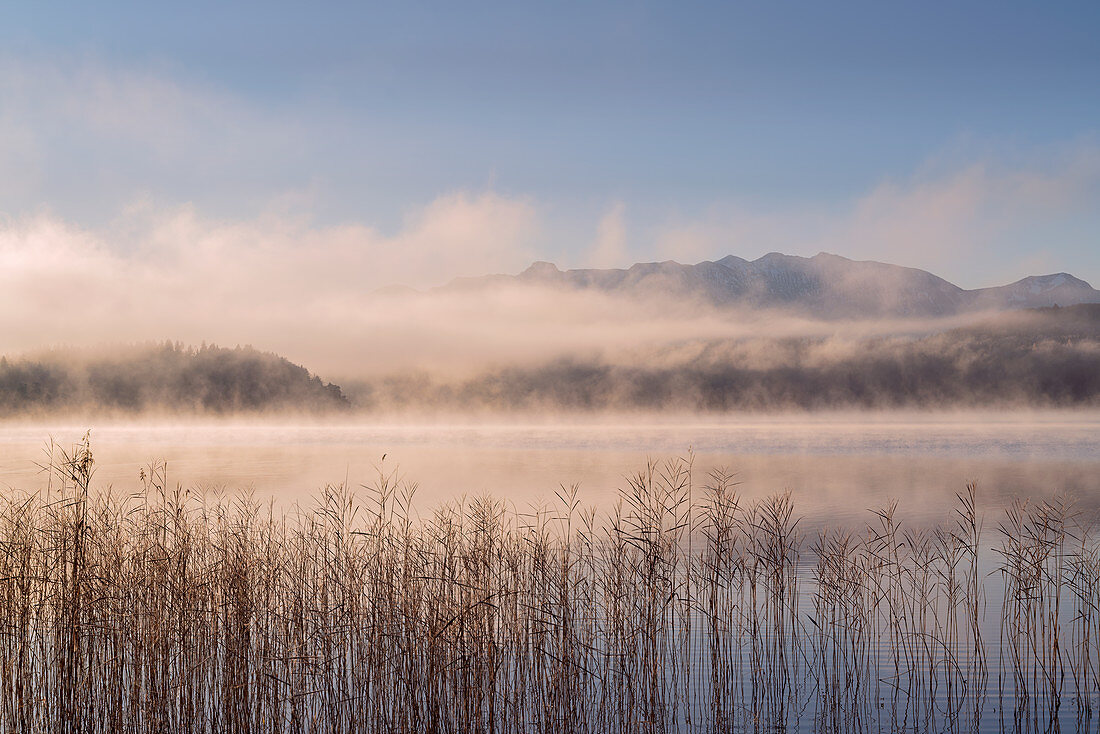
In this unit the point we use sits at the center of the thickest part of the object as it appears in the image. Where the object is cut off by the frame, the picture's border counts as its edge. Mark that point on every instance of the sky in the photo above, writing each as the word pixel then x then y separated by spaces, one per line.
pixel 414 142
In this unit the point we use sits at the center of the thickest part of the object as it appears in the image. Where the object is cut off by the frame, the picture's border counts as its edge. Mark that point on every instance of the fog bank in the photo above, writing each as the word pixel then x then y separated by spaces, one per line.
pixel 1044 358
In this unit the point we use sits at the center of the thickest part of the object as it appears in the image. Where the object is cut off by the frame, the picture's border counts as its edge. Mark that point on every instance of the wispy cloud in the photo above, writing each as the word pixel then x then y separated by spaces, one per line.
pixel 611 247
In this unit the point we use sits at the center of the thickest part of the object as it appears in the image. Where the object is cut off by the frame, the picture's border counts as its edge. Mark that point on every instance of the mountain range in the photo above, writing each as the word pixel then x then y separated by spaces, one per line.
pixel 823 286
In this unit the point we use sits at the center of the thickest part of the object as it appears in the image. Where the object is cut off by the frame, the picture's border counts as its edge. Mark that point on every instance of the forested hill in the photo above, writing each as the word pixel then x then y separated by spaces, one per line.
pixel 167 377
pixel 1039 358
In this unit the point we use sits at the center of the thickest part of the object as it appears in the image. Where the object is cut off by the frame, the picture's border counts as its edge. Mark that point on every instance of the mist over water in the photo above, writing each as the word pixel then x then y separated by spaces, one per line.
pixel 837 466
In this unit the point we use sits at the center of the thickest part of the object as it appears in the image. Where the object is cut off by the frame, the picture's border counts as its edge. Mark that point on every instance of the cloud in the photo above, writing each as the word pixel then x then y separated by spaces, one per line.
pixel 457 234
pixel 308 292
pixel 461 235
pixel 283 282
pixel 969 216
pixel 276 282
pixel 610 249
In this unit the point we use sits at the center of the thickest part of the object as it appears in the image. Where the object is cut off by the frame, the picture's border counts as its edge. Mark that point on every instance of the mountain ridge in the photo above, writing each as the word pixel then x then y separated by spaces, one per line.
pixel 825 285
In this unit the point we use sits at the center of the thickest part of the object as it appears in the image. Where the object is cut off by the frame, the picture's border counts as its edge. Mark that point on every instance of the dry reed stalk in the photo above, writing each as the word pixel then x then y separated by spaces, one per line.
pixel 680 610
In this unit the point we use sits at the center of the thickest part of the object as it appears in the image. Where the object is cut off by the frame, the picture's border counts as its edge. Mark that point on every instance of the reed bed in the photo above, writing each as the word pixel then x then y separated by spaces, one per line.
pixel 685 607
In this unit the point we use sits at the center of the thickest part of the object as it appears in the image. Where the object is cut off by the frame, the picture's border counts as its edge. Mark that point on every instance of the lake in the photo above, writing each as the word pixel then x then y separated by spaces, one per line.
pixel 873 636
pixel 835 465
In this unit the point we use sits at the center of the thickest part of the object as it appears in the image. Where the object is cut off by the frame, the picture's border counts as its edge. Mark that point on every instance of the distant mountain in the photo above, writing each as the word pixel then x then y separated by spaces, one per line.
pixel 162 377
pixel 825 285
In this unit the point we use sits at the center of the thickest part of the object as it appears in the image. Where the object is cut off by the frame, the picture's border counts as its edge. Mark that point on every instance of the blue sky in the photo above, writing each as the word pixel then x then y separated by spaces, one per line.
pixel 958 137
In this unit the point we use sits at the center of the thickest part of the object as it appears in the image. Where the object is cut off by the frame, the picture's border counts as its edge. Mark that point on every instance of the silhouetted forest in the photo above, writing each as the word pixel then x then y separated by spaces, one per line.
pixel 165 377
pixel 1045 357
pixel 1041 358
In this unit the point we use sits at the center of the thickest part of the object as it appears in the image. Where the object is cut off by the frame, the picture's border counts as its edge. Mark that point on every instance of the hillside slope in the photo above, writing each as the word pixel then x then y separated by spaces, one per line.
pixel 166 377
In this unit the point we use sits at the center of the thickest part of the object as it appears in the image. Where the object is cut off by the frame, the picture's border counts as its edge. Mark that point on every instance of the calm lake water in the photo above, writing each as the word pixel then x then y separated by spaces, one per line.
pixel 836 466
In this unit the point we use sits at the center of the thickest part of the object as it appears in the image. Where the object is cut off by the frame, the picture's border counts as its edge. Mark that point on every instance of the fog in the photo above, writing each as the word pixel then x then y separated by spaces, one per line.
pixel 837 464
pixel 515 350
pixel 313 297
pixel 311 293
pixel 1046 358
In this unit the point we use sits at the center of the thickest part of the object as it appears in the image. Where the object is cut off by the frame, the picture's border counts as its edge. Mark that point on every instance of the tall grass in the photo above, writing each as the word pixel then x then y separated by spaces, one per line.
pixel 681 608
